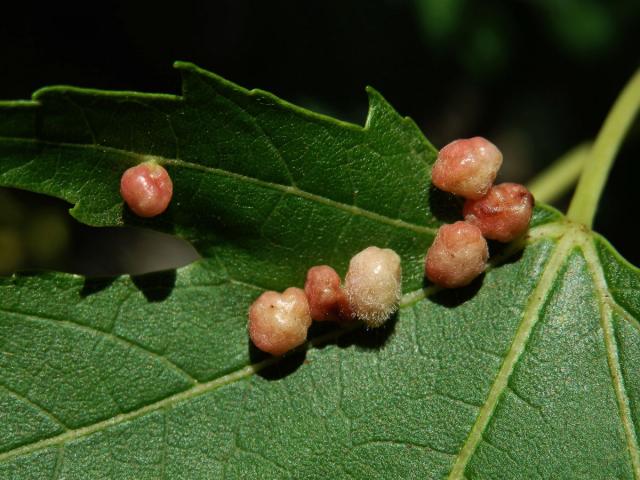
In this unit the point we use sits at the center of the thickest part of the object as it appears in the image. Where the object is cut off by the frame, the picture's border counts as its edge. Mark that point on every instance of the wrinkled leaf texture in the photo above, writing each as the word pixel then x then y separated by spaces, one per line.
pixel 531 372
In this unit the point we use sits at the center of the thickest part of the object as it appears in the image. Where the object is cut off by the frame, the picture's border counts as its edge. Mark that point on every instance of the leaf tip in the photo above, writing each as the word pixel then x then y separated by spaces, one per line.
pixel 383 117
pixel 182 65
pixel 378 108
pixel 372 92
pixel 43 92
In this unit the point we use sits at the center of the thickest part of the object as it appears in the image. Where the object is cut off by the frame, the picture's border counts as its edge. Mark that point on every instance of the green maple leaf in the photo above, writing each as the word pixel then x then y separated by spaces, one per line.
pixel 530 372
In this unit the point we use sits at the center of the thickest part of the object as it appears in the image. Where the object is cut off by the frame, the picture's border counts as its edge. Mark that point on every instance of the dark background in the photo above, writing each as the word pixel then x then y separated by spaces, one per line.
pixel 535 77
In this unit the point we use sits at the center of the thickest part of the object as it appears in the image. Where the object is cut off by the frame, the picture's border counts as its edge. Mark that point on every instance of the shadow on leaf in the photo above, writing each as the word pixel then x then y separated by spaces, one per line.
pixel 353 334
pixel 446 207
pixel 282 367
pixel 96 285
pixel 360 336
pixel 503 254
pixel 366 338
pixel 164 222
pixel 454 297
pixel 156 286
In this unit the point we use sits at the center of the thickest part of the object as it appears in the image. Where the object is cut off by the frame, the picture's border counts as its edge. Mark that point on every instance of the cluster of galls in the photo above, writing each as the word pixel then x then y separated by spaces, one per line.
pixel 278 322
pixel 468 168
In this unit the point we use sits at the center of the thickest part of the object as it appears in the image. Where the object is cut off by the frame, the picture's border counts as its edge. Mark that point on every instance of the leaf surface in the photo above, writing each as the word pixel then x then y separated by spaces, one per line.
pixel 527 373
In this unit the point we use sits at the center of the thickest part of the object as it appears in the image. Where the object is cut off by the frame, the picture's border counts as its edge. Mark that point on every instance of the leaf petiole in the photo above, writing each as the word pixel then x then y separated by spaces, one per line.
pixel 594 176
pixel 556 180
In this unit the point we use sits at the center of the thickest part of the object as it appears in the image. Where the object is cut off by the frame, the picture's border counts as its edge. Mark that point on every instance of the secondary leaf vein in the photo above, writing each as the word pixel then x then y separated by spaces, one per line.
pixel 95 332
pixel 529 319
pixel 35 405
pixel 613 358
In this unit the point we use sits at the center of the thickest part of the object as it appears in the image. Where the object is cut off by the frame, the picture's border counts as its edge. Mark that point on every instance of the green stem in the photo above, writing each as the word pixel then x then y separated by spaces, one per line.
pixel 593 179
pixel 557 179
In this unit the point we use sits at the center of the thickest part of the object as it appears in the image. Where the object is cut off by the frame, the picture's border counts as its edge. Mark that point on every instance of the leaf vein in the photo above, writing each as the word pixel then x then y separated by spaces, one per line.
pixel 406 444
pixel 37 406
pixel 408 300
pixel 291 190
pixel 529 319
pixel 613 358
pixel 624 313
pixel 263 133
pixel 57 469
pixel 97 333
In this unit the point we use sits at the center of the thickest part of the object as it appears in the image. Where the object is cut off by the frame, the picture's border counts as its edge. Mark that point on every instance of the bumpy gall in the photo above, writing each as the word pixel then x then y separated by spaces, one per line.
pixel 503 214
pixel 458 255
pixel 373 285
pixel 147 189
pixel 467 167
pixel 327 300
pixel 278 322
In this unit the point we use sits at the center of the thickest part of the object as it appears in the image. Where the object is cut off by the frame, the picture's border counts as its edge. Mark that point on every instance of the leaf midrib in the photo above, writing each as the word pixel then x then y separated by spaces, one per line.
pixel 286 189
